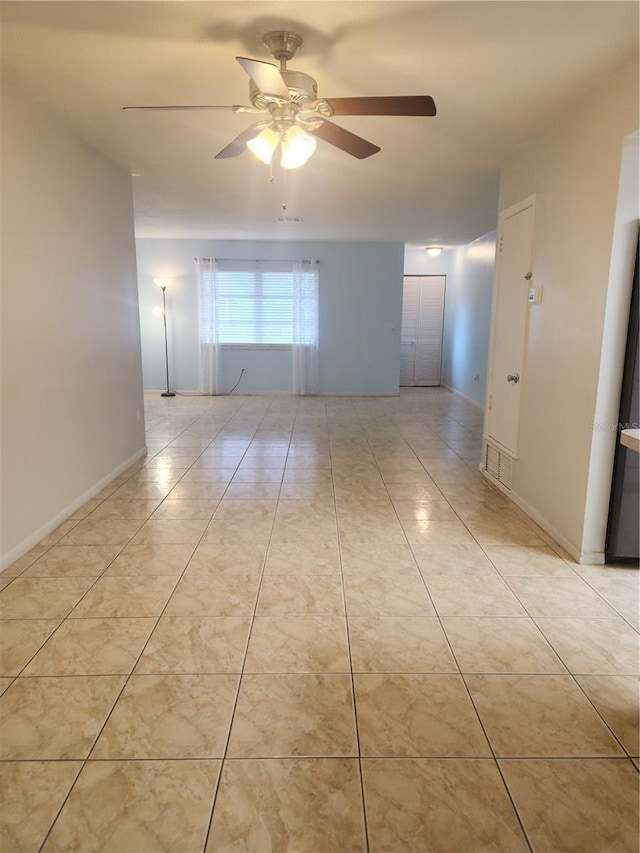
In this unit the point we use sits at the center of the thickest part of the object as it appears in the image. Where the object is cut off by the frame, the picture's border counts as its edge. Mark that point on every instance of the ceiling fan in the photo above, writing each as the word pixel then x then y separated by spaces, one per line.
pixel 295 115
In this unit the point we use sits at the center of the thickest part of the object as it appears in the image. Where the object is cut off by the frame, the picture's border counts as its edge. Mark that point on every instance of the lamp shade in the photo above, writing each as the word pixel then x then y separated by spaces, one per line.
pixel 162 282
pixel 434 251
pixel 264 144
pixel 297 147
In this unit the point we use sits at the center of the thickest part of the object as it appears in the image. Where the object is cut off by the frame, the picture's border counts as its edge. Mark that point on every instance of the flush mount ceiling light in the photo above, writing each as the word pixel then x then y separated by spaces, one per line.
pixel 434 251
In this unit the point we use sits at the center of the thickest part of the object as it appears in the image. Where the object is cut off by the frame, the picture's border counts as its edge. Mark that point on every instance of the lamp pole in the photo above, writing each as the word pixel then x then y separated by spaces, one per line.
pixel 166 393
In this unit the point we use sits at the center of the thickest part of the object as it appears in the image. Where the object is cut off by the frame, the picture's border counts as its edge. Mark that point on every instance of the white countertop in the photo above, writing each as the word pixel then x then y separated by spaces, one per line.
pixel 631 438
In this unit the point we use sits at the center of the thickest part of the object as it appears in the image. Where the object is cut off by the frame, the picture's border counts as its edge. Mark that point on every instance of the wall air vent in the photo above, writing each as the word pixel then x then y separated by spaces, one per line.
pixel 289 219
pixel 498 464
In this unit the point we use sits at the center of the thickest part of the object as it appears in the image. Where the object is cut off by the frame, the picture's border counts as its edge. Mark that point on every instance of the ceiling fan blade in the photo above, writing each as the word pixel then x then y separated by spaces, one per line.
pixel 400 105
pixel 235 108
pixel 266 76
pixel 239 145
pixel 344 139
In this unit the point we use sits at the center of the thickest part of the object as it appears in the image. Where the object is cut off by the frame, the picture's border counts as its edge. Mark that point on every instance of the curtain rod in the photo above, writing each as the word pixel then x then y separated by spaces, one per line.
pixel 258 260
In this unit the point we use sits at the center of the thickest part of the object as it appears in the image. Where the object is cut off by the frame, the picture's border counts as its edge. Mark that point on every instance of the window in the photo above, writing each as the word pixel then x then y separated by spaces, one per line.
pixel 254 303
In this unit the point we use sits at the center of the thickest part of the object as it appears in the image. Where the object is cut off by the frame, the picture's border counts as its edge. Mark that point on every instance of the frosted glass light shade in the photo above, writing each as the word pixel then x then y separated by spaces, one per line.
pixel 297 147
pixel 434 251
pixel 264 144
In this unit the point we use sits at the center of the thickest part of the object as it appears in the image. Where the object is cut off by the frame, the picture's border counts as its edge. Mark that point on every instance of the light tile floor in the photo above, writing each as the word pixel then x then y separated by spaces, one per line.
pixel 308 625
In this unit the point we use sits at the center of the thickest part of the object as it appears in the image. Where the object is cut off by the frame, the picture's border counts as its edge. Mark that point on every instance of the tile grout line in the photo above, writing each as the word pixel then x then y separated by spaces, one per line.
pixel 532 618
pixel 87 758
pixel 488 741
pixel 223 757
pixel 348 637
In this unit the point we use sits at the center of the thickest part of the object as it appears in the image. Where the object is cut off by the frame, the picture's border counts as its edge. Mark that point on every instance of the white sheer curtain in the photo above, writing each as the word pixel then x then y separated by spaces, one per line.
pixel 305 327
pixel 208 325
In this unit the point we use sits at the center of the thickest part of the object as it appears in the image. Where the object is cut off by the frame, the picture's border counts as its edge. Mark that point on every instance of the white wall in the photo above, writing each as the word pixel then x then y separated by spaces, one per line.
pixel 360 293
pixel 574 168
pixel 467 319
pixel 467 311
pixel 70 356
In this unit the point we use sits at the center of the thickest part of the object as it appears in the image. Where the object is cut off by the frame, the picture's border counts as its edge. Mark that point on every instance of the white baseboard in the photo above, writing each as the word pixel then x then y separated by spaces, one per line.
pixel 15 553
pixel 287 394
pixel 464 396
pixel 592 558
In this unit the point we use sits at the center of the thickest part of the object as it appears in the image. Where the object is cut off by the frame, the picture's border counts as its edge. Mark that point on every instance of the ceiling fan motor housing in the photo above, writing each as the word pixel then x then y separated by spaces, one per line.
pixel 303 90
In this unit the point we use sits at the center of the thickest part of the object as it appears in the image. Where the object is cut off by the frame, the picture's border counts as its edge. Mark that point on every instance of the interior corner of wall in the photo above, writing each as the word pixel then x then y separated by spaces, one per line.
pixel 31 541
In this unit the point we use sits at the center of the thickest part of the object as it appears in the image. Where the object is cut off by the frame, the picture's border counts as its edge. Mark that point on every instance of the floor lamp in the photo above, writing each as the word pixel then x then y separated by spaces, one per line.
pixel 162 284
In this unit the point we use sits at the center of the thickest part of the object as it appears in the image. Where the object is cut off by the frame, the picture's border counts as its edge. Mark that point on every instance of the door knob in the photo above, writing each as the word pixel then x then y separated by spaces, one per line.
pixel 513 377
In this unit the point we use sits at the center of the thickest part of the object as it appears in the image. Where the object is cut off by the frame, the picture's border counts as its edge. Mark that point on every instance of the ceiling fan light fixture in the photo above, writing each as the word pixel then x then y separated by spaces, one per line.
pixel 434 251
pixel 297 147
pixel 264 144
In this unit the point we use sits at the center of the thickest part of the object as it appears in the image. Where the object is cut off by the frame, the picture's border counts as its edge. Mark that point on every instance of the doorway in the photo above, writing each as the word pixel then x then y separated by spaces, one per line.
pixel 422 325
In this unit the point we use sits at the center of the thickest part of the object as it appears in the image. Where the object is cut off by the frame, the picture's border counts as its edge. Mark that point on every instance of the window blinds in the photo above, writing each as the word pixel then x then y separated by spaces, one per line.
pixel 254 302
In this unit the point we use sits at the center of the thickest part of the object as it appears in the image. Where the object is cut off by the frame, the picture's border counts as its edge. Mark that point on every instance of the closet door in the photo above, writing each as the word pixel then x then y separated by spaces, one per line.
pixel 422 324
pixel 409 334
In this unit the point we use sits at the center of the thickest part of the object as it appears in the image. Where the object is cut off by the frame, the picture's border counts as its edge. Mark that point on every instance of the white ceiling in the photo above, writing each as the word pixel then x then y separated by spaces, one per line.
pixel 498 71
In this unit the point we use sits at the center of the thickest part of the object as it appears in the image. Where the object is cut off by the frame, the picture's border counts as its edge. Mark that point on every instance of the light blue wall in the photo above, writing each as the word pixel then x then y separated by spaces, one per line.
pixel 417 262
pixel 360 291
pixel 467 310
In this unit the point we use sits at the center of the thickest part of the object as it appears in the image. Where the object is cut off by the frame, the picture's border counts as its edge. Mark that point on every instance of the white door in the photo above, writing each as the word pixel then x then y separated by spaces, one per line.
pixel 513 273
pixel 409 334
pixel 422 322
